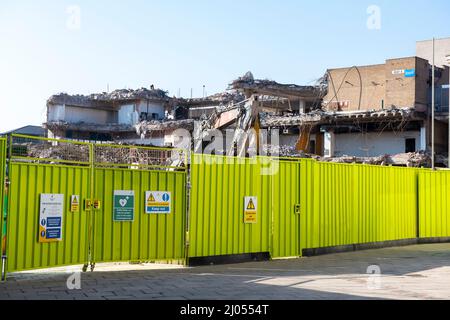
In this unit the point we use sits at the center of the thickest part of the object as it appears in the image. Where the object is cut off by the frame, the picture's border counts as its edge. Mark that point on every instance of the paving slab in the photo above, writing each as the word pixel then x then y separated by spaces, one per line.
pixel 413 272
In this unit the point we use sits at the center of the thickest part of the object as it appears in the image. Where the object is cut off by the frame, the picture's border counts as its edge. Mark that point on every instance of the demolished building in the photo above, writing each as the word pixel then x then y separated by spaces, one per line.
pixel 108 116
pixel 378 114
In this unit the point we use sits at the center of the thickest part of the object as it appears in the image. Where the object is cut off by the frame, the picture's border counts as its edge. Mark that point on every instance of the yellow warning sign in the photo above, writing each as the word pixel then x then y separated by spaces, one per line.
pixel 75 203
pixel 250 209
pixel 151 198
pixel 158 202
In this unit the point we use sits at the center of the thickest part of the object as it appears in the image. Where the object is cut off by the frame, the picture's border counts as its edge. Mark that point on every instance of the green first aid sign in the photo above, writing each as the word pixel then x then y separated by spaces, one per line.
pixel 123 205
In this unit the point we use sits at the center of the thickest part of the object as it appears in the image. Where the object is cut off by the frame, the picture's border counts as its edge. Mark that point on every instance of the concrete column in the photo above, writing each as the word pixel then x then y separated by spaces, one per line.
pixel 423 138
pixel 302 106
pixel 329 144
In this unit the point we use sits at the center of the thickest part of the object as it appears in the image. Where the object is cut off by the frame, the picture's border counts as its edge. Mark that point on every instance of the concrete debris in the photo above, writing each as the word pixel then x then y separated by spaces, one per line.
pixel 219 99
pixel 116 95
pixel 144 127
pixel 61 151
pixel 50 152
pixel 416 159
pixel 326 117
pixel 284 151
pixel 137 156
pixel 88 127
pixel 269 87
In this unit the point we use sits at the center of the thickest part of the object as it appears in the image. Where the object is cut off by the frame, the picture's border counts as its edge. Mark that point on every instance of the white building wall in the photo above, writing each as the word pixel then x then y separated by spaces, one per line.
pixel 373 144
pixel 56 113
pixel 128 114
pixel 151 107
pixel 87 115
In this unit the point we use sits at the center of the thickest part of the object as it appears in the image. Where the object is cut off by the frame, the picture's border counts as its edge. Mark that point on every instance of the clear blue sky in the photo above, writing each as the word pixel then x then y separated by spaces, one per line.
pixel 188 44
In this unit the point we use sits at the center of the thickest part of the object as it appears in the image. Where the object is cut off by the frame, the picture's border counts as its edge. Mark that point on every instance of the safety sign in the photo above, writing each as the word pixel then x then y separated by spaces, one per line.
pixel 158 202
pixel 250 209
pixel 51 211
pixel 74 203
pixel 123 209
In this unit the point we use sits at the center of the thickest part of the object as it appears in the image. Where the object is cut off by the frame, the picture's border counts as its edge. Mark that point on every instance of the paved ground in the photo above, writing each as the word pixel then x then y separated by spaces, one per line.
pixel 415 272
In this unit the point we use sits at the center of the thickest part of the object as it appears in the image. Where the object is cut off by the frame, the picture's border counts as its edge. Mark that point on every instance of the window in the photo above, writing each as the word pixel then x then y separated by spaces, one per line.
pixel 143 116
pixel 410 145
pixel 312 147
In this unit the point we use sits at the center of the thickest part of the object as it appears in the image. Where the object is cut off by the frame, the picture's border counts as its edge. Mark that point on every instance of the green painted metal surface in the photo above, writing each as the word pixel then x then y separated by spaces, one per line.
pixel 345 204
pixel 28 181
pixel 2 194
pixel 285 195
pixel 150 236
pixel 219 185
pixel 434 207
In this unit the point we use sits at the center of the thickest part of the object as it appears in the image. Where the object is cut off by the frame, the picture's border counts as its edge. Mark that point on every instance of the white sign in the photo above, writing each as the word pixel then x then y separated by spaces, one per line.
pixel 51 217
pixel 397 72
pixel 250 209
pixel 158 202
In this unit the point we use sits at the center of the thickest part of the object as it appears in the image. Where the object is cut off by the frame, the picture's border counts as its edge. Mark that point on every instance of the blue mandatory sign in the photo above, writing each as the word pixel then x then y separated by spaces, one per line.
pixel 165 197
pixel 43 222
pixel 53 233
pixel 54 222
pixel 410 73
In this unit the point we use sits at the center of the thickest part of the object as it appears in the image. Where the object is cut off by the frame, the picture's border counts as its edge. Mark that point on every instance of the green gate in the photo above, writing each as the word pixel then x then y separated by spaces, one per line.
pixel 62 210
pixel 39 167
pixel 138 231
pixel 220 186
pixel 286 208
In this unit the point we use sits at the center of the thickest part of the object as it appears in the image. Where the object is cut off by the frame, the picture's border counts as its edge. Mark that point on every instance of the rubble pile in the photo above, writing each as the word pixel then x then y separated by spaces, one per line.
pixel 222 99
pixel 135 156
pixel 116 95
pixel 60 151
pixel 416 159
pixel 83 126
pixel 284 151
pixel 317 117
pixel 142 128
pixel 228 97
pixel 248 82
pixel 103 154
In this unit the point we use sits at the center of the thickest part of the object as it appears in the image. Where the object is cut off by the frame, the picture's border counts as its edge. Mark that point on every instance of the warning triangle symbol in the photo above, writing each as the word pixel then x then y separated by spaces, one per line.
pixel 251 205
pixel 75 200
pixel 151 198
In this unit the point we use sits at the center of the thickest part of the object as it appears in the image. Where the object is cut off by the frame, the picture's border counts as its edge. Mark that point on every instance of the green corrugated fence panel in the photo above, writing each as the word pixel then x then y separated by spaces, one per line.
pixel 285 192
pixel 345 204
pixel 28 181
pixel 149 236
pixel 434 208
pixel 219 185
pixel 2 188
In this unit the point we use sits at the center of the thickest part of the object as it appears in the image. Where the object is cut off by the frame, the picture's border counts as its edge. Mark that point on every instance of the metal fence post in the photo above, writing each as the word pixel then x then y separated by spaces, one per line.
pixel 189 157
